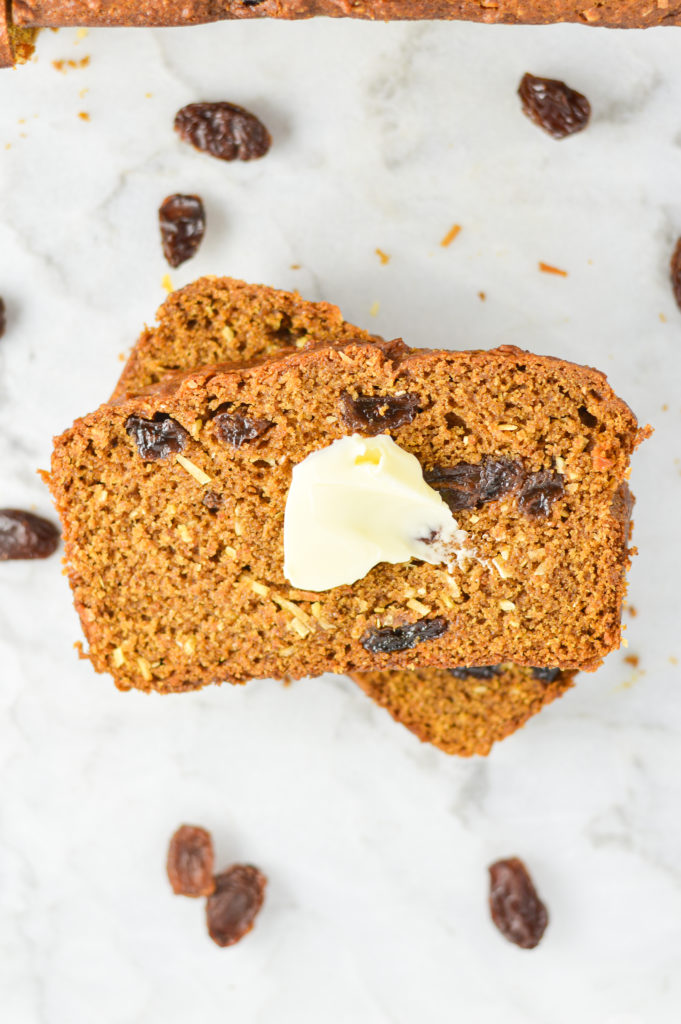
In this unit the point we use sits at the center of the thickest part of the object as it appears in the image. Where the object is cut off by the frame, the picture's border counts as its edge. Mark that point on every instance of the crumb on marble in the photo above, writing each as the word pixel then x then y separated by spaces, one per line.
pixel 632 659
pixel 663 318
pixel 482 296
pixel 633 610
pixel 83 115
pixel 80 34
pixel 383 256
pixel 547 268
pixel 374 309
pixel 65 65
pixel 166 283
pixel 451 235
pixel 295 266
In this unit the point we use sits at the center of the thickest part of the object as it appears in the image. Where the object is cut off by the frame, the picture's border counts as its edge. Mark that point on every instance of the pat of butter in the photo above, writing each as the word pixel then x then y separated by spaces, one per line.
pixel 359 502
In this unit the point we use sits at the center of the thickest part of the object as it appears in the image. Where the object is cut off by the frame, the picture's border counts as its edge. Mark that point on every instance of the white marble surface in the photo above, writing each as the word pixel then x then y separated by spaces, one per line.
pixel 376 847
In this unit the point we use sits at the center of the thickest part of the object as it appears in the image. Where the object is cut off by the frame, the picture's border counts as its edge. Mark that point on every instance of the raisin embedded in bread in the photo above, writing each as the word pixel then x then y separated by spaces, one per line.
pixel 220 319
pixel 173 535
pixel 464 711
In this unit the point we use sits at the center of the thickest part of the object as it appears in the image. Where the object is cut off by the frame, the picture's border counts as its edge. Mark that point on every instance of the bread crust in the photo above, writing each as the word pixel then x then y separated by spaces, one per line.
pixel 609 13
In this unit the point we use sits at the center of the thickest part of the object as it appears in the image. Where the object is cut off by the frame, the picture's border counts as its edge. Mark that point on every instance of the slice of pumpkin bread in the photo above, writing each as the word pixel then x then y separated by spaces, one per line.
pixel 173 505
pixel 221 319
pixel 464 711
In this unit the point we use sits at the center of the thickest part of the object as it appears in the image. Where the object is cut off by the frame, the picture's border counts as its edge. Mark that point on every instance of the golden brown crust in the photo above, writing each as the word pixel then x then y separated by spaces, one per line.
pixel 463 713
pixel 614 13
pixel 168 586
pixel 219 319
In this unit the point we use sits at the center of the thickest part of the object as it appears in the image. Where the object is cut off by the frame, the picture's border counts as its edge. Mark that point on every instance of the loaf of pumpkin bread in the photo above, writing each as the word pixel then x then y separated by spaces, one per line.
pixel 173 505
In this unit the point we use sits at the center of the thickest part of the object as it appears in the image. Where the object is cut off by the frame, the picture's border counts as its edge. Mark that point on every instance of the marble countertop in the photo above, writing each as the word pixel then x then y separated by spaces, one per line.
pixel 376 847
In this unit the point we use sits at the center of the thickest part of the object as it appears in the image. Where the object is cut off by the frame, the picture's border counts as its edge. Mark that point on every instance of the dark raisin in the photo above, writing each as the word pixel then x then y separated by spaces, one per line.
pixel 25 535
pixel 233 906
pixel 539 492
pixel 587 418
pixel 223 130
pixel 212 501
pixel 478 672
pixel 545 675
pixel 373 414
pixel 183 223
pixel 190 862
pixel 157 438
pixel 516 909
pixel 554 106
pixel 675 272
pixel 237 428
pixel 403 638
pixel 469 485
pixel 3 318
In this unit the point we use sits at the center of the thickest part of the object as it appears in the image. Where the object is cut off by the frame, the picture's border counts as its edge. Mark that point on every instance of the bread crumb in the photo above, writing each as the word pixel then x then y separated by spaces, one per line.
pixel 482 296
pixel 451 235
pixel 383 256
pixel 546 268
pixel 167 283
pixel 663 318
pixel 81 34
pixel 83 115
pixel 374 309
pixel 632 659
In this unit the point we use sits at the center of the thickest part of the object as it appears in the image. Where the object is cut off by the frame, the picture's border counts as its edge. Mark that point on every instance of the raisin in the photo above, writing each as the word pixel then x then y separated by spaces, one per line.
pixel 233 906
pixel 470 485
pixel 539 492
pixel 25 535
pixel 212 501
pixel 516 909
pixel 675 272
pixel 237 428
pixel 157 438
pixel 403 638
pixel 224 130
pixel 554 106
pixel 478 672
pixel 545 675
pixel 190 862
pixel 3 318
pixel 183 222
pixel 373 414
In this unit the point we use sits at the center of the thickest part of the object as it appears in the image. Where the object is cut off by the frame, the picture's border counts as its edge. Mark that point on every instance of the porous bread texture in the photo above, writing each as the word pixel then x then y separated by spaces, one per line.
pixel 174 595
pixel 462 714
pixel 221 319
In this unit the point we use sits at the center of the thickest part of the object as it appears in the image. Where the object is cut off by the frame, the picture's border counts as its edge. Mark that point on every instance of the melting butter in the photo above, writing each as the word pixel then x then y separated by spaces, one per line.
pixel 357 503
